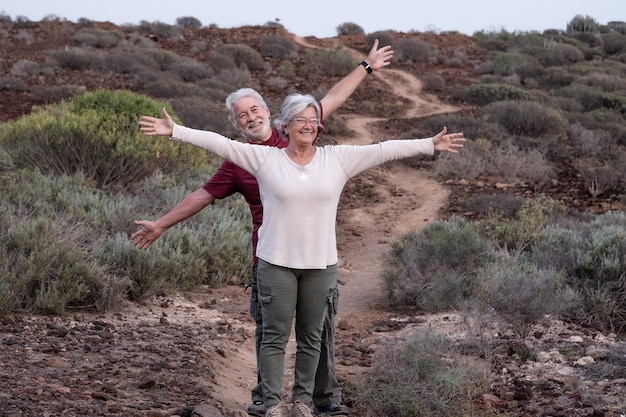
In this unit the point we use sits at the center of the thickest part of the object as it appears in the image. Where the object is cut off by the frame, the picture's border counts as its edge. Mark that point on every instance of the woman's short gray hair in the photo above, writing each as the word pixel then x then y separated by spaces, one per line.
pixel 236 96
pixel 292 106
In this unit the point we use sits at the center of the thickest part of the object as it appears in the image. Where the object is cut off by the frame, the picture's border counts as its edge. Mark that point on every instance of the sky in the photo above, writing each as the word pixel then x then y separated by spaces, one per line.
pixel 321 18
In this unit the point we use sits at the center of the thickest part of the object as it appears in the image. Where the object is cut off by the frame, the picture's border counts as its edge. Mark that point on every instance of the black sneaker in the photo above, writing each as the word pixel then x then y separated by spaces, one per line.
pixel 336 409
pixel 257 408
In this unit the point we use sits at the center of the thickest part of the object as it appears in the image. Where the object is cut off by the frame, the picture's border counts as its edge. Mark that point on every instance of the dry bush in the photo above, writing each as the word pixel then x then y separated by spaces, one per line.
pixel 384 37
pixel 606 120
pixel 589 250
pixel 189 22
pixel 190 70
pixel 12 84
pixel 556 77
pixel 122 62
pixel 331 62
pixel 482 204
pixel 614 43
pixel 286 68
pixel 611 366
pixel 205 114
pixel 604 82
pixel 433 269
pixel 485 93
pixel 276 46
pixel 413 50
pixel 504 161
pixel 587 142
pixel 523 294
pixel 279 83
pixel 163 59
pixel 422 375
pixel 349 28
pixel 526 118
pixel 78 59
pixel 599 177
pixel 54 93
pixel 97 38
pixel 160 29
pixel 242 54
pixel 509 63
pixel 168 87
pixel 25 37
pixel 220 62
pixel 555 54
pixel 433 83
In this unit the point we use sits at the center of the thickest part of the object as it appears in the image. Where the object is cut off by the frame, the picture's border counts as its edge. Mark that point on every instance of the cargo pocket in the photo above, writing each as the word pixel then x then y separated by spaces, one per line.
pixel 333 302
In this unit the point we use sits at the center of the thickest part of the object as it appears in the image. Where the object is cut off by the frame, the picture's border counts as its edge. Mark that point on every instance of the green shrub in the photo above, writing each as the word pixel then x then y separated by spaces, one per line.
pixel 349 28
pixel 433 269
pixel 424 375
pixel 243 54
pixel 519 234
pixel 483 94
pixel 526 118
pixel 97 135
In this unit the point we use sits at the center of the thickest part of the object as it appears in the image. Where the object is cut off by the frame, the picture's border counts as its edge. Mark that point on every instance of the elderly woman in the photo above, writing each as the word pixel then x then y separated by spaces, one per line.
pixel 300 187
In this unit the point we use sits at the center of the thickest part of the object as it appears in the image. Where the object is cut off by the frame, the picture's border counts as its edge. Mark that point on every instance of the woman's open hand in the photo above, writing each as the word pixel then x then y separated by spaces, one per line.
pixel 448 142
pixel 152 126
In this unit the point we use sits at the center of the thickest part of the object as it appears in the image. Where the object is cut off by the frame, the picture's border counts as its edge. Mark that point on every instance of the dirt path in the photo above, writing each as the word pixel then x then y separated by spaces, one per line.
pixel 408 198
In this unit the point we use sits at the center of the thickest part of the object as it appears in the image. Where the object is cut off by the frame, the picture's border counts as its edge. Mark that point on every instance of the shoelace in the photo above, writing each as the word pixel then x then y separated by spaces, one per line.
pixel 275 411
pixel 303 410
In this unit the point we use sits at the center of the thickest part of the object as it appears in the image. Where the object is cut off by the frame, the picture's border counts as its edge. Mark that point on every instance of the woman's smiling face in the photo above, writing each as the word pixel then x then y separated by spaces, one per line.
pixel 303 129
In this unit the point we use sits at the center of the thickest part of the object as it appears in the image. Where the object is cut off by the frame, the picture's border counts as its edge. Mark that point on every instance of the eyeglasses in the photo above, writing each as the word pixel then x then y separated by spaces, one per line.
pixel 301 121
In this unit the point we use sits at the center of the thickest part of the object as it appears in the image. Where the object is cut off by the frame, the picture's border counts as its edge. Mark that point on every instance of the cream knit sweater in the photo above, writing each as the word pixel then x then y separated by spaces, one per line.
pixel 300 202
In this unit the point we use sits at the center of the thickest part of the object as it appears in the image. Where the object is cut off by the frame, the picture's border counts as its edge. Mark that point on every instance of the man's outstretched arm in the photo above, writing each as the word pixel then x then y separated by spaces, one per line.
pixel 151 230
